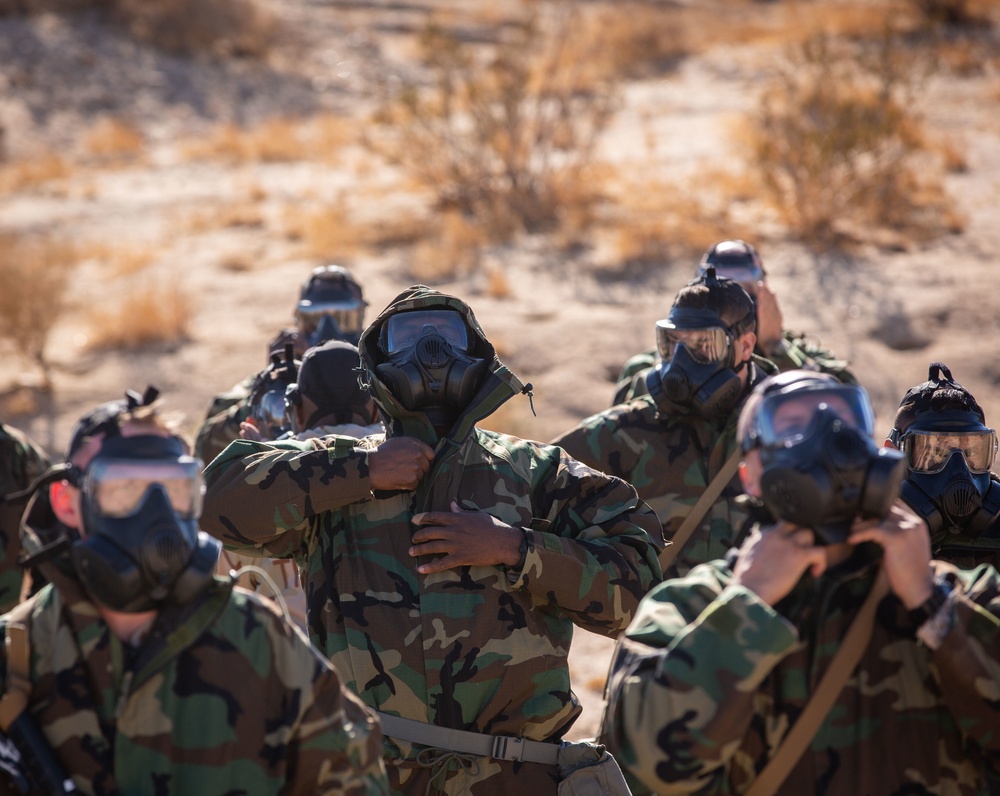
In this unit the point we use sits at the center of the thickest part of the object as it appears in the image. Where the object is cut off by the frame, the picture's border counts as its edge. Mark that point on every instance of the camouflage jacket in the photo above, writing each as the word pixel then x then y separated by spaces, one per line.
pixel 21 461
pixel 670 460
pixel 708 678
pixel 223 698
pixel 477 648
pixel 795 350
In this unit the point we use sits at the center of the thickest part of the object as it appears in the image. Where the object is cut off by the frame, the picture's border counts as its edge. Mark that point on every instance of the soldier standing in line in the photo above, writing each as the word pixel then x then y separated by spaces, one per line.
pixel 829 654
pixel 677 444
pixel 447 565
pixel 739 261
pixel 21 461
pixel 146 674
pixel 950 453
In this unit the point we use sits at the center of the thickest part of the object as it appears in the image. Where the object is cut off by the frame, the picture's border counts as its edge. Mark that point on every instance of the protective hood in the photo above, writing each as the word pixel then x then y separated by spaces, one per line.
pixel 498 386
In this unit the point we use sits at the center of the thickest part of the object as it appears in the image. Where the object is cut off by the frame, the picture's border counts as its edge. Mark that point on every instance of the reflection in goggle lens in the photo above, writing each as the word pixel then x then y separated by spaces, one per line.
pixel 929 451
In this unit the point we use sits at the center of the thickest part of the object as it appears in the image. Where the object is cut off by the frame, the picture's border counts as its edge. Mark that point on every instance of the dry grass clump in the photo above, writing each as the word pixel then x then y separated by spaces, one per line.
pixel 499 132
pixel 839 152
pixel 32 172
pixel 149 313
pixel 35 274
pixel 118 261
pixel 114 140
pixel 275 141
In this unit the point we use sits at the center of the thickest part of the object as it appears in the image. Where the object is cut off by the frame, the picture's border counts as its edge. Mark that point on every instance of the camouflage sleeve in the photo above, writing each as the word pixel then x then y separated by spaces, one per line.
pixel 684 678
pixel 261 495
pixel 596 443
pixel 219 430
pixel 591 551
pixel 796 350
pixel 967 663
pixel 338 749
pixel 631 382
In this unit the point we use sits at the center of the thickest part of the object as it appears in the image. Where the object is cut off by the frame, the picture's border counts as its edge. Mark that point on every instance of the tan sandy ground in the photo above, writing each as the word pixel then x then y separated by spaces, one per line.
pixel 561 329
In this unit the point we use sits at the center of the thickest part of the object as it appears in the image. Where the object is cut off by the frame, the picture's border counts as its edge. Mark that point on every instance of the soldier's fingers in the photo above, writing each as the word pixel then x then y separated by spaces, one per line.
pixel 439 565
pixel 436 518
pixel 431 547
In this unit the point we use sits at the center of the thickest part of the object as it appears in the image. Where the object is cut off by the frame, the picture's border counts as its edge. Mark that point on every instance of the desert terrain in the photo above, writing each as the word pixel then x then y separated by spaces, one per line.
pixel 194 216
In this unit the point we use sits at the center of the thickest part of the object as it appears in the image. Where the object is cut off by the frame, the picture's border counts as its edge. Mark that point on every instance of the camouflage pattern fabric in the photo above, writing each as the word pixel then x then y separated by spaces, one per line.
pixel 670 460
pixel 220 429
pixel 21 461
pixel 284 572
pixel 225 697
pixel 707 680
pixel 795 351
pixel 477 648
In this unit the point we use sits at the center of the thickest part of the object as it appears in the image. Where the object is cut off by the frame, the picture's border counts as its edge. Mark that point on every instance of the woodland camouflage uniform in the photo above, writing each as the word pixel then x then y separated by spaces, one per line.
pixel 21 461
pixel 174 715
pixel 708 678
pixel 476 648
pixel 670 459
pixel 794 352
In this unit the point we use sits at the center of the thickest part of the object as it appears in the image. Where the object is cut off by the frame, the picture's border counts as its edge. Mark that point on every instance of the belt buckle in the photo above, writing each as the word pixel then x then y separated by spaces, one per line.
pixel 506 747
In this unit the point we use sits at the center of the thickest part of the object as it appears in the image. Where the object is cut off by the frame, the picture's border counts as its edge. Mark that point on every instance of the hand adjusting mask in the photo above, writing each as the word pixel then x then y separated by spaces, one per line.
pixel 429 369
pixel 820 466
pixel 949 456
pixel 141 498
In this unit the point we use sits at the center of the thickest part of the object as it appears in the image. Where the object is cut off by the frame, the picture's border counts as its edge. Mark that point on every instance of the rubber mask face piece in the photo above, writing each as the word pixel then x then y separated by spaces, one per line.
pixel 824 475
pixel 141 498
pixel 429 369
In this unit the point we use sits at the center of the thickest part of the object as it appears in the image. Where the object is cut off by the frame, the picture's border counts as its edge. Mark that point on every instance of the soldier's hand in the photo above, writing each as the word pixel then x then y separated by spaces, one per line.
pixel 773 559
pixel 464 538
pixel 249 431
pixel 769 320
pixel 399 463
pixel 906 543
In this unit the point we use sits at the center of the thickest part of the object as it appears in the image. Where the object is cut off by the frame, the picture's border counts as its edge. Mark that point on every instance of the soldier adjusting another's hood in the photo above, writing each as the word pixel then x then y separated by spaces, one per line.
pixel 411 380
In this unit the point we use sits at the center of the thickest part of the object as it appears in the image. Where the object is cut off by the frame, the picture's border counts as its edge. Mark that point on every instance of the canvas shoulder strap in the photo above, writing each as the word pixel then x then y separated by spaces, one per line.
pixel 842 665
pixel 692 520
pixel 18 654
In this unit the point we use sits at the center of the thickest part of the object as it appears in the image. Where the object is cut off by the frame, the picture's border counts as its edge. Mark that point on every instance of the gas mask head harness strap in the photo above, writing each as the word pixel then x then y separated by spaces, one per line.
pixel 141 547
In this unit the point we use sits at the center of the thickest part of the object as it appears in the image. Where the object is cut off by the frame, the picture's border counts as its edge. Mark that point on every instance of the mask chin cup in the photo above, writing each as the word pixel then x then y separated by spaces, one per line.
pixel 110 576
pixel 709 390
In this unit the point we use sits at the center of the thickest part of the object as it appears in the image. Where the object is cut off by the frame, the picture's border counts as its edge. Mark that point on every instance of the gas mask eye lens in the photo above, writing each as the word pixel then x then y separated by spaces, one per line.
pixel 930 451
pixel 704 345
pixel 788 418
pixel 403 329
pixel 118 489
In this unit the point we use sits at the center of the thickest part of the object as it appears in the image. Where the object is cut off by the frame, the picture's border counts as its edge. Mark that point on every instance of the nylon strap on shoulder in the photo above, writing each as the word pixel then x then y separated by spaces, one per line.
pixel 18 654
pixel 841 666
pixel 692 520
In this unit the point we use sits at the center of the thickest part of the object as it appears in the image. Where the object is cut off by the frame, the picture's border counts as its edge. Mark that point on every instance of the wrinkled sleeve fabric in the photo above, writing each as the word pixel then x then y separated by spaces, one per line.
pixel 596 443
pixel 261 496
pixel 967 664
pixel 684 678
pixel 592 551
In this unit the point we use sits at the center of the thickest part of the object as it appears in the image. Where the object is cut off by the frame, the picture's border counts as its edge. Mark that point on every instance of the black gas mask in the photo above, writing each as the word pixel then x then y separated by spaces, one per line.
pixel 820 466
pixel 141 498
pixel 697 373
pixel 429 369
pixel 266 404
pixel 949 456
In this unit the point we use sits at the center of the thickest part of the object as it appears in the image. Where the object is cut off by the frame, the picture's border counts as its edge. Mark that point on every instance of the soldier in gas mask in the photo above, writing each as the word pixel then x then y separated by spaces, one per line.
pixel 829 653
pixel 950 455
pixel 143 671
pixel 677 443
pixel 446 565
pixel 788 350
pixel 331 306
